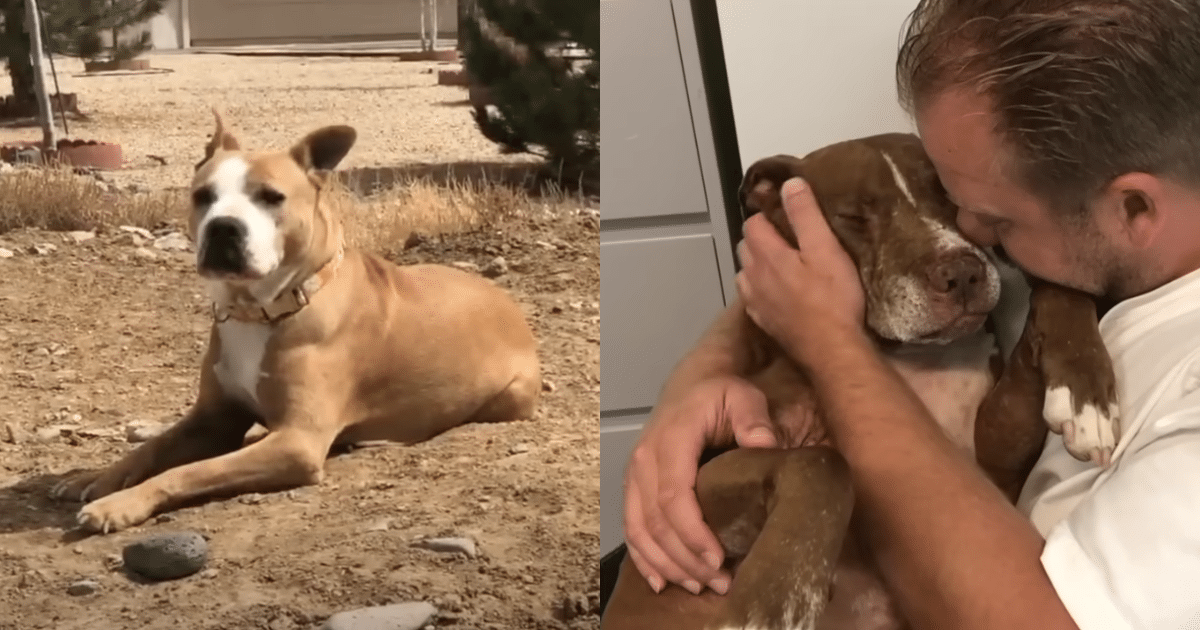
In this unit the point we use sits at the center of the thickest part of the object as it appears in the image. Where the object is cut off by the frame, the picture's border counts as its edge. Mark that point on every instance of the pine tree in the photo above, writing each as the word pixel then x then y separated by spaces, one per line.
pixel 543 102
pixel 74 28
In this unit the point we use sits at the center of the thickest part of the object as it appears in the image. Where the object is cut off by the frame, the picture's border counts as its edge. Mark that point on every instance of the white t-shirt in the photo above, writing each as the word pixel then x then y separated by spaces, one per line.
pixel 1123 544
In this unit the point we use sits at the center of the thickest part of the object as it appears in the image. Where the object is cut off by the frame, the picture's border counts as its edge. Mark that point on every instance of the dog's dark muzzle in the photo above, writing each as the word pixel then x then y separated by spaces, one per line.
pixel 224 246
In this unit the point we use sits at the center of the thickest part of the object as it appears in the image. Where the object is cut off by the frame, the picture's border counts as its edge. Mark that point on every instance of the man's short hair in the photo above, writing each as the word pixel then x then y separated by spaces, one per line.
pixel 1083 91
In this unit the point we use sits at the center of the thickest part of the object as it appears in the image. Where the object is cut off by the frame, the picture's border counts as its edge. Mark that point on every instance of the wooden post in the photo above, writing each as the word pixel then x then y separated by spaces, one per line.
pixel 33 22
pixel 433 7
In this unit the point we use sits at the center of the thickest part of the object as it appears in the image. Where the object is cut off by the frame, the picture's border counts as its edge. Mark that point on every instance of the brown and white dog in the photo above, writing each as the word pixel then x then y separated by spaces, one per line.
pixel 783 515
pixel 319 343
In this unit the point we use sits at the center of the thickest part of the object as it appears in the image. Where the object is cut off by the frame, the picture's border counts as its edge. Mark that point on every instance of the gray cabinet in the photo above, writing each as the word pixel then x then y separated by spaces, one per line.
pixel 666 261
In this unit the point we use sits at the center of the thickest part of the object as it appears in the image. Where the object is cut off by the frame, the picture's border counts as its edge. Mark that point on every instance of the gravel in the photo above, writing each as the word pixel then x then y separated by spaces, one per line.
pixel 167 556
pixel 401 114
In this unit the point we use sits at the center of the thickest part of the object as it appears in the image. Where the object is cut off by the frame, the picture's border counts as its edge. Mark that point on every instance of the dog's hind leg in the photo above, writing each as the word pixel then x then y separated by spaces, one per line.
pixel 785 514
pixel 518 400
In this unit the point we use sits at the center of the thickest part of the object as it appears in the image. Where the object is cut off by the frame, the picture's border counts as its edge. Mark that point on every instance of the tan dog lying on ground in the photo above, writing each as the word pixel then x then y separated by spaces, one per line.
pixel 783 515
pixel 318 343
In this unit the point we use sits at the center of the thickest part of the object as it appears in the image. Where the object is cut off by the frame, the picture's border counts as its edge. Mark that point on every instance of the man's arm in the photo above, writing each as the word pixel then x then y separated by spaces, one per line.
pixel 732 346
pixel 953 550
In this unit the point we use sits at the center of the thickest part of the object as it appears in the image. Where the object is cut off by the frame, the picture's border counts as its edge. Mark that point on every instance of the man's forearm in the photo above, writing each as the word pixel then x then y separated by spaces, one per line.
pixel 727 348
pixel 950 546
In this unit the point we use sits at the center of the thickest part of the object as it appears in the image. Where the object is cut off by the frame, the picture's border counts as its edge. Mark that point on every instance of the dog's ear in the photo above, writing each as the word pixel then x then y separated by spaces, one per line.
pixel 222 139
pixel 324 148
pixel 760 190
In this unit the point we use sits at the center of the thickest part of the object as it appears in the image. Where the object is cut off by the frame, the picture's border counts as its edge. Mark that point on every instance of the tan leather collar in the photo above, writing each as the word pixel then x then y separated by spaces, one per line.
pixel 288 303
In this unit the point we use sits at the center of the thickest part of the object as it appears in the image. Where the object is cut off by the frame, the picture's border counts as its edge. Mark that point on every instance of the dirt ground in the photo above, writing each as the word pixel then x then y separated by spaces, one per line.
pixel 98 334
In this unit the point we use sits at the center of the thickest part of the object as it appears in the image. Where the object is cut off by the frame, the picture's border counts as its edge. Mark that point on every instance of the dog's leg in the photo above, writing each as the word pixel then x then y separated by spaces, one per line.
pixel 291 456
pixel 782 517
pixel 208 430
pixel 1081 389
pixel 1009 429
pixel 787 514
pixel 517 401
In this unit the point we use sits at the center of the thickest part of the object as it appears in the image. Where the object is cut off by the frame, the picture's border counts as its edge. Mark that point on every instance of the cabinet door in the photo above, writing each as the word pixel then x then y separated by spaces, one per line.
pixel 657 296
pixel 617 438
pixel 650 165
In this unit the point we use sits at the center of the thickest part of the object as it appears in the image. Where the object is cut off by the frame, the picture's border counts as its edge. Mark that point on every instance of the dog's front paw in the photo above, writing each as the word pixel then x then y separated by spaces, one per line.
pixel 77 487
pixel 1090 424
pixel 117 511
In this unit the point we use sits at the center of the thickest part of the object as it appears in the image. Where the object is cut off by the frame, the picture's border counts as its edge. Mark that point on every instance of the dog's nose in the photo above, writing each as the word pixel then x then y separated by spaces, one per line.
pixel 224 246
pixel 959 276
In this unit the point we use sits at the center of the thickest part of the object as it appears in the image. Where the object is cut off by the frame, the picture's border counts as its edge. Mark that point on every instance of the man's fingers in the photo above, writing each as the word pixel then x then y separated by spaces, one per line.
pixel 804 215
pixel 747 410
pixel 651 576
pixel 700 554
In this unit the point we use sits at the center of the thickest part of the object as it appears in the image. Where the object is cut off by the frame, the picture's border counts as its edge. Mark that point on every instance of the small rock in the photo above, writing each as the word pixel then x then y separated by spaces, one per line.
pixel 6 253
pixel 142 252
pixel 83 587
pixel 158 158
pixel 518 448
pixel 48 434
pixel 5 167
pixel 173 242
pixel 14 434
pixel 380 526
pixel 133 229
pixel 495 268
pixel 163 518
pixel 42 249
pixel 113 561
pixel 548 386
pixel 464 546
pixel 167 556
pixel 465 266
pixel 209 574
pixel 79 236
pixel 406 616
pixel 136 432
pixel 414 239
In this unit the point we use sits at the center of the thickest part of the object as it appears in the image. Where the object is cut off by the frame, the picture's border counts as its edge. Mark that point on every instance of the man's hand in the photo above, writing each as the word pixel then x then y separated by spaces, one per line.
pixel 667 538
pixel 798 297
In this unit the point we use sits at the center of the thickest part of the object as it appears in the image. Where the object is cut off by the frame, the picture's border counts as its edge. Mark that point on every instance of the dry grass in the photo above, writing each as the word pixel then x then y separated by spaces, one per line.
pixel 59 200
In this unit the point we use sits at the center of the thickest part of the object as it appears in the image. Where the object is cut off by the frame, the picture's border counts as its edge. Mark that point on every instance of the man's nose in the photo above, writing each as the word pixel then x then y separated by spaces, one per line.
pixel 976 232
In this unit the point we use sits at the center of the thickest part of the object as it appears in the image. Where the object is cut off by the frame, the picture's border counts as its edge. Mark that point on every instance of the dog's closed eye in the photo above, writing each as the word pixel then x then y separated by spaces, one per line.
pixel 270 196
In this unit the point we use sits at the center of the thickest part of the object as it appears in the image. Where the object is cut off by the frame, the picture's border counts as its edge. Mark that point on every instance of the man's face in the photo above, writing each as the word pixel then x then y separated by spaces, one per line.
pixel 956 130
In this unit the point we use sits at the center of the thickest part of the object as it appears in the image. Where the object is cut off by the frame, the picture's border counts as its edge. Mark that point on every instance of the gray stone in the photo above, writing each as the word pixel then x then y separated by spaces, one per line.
pixel 173 242
pixel 83 587
pixel 465 546
pixel 495 268
pixel 166 556
pixel 406 616
pixel 80 236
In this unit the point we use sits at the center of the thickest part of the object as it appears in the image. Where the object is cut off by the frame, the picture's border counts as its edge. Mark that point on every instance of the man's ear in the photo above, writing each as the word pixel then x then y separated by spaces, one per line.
pixel 1136 199
pixel 324 148
pixel 222 139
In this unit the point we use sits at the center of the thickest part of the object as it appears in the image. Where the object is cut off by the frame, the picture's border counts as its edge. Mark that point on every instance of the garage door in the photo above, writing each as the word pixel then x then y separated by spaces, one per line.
pixel 229 22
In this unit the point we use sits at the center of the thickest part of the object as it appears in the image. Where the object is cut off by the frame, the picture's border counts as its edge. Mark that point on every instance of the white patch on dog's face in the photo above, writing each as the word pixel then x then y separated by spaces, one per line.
pixel 901 183
pixel 263 247
pixel 901 309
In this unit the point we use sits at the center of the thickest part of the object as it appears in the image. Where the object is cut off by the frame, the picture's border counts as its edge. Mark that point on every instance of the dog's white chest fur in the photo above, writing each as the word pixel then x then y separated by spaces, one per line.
pixel 239 367
pixel 952 380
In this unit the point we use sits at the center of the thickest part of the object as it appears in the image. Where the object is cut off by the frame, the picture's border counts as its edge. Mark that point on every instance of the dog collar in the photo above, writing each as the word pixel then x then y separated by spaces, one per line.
pixel 288 303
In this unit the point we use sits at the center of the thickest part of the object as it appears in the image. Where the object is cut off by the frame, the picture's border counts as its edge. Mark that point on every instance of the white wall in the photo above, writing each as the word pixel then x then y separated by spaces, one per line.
pixel 806 73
